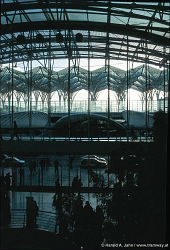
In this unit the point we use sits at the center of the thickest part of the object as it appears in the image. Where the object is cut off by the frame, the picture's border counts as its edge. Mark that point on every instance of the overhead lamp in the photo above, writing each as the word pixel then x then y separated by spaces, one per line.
pixel 79 37
pixel 39 38
pixel 21 39
pixel 59 38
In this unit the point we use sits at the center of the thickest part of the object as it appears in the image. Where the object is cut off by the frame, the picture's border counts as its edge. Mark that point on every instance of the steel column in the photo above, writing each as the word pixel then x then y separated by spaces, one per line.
pixel 127 97
pixel 89 94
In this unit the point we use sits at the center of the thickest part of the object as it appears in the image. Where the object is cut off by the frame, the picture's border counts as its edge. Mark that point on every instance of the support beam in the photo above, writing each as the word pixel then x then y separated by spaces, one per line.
pixel 70 147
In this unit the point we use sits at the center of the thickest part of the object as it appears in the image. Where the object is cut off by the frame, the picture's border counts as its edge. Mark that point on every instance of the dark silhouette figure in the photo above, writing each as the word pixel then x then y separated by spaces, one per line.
pixel 88 226
pixel 56 165
pixel 32 166
pixel 42 164
pixel 78 213
pixel 54 201
pixel 99 219
pixel 15 131
pixel 7 180
pixel 88 214
pixel 74 183
pixel 21 172
pixel 57 203
pixel 79 184
pixel 58 187
pixel 32 212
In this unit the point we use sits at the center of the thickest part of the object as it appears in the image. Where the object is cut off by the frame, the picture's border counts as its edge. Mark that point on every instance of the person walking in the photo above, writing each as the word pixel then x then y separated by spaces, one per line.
pixel 79 184
pixel 15 131
pixel 74 184
pixel 56 165
pixel 58 187
pixel 21 172
pixel 7 179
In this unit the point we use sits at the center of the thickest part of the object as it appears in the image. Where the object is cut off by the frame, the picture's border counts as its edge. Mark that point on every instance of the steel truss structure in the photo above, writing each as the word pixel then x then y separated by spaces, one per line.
pixel 48 31
pixel 158 81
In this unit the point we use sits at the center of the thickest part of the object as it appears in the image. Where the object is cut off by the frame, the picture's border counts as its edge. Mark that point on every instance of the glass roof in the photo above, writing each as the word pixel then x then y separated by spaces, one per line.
pixel 138 29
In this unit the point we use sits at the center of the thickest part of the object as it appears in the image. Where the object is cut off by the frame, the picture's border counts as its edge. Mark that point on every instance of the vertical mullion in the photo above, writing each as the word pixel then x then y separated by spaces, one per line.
pixel 12 83
pixel 69 54
pixel 164 76
pixel 146 79
pixel 89 94
pixel 49 82
pixel 127 98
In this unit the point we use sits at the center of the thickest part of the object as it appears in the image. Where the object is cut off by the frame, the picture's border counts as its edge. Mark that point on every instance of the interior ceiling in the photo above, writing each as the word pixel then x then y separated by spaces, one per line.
pixel 108 28
pixel 133 31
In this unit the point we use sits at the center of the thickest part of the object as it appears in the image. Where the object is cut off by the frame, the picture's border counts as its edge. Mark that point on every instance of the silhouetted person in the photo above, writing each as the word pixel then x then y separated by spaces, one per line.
pixel 21 172
pixel 1 134
pixel 42 164
pixel 88 214
pixel 7 180
pixel 56 165
pixel 57 203
pixel 78 213
pixel 57 187
pixel 74 183
pixel 79 184
pixel 15 131
pixel 32 212
pixel 54 201
pixel 88 226
pixel 32 166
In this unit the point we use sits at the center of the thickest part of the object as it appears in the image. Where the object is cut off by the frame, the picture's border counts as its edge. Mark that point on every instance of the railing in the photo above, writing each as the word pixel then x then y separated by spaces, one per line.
pixel 82 106
pixel 49 134
pixel 45 220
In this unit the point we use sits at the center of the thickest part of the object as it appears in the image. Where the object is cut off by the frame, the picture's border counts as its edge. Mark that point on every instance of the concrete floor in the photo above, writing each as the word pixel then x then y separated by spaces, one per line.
pixel 49 176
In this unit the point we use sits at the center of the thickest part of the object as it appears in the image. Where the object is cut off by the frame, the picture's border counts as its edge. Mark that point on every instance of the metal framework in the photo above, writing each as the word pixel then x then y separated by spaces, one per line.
pixel 39 21
pixel 48 31
pixel 79 80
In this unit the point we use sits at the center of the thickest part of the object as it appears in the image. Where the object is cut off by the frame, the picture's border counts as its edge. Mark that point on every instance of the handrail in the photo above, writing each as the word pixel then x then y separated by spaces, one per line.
pixel 19 220
pixel 46 134
pixel 81 106
pixel 24 209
